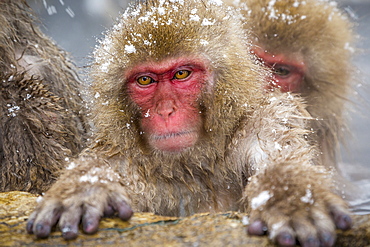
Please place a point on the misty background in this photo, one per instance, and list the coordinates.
(76, 25)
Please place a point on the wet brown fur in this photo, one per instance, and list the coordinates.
(164, 170)
(42, 113)
(250, 142)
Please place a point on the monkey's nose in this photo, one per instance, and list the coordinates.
(166, 108)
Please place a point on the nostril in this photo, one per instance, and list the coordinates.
(166, 108)
(166, 112)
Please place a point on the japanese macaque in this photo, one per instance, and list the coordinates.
(308, 46)
(183, 127)
(42, 114)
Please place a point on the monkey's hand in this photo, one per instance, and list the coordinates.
(295, 203)
(82, 194)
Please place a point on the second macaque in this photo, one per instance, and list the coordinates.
(183, 127)
(308, 46)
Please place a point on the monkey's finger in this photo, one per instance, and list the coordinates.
(109, 211)
(69, 222)
(45, 220)
(124, 210)
(257, 227)
(285, 239)
(282, 234)
(90, 219)
(342, 219)
(327, 239)
(339, 212)
(325, 227)
(30, 222)
(280, 230)
(277, 226)
(306, 232)
(119, 203)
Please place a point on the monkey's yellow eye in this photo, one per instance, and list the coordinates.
(144, 80)
(182, 74)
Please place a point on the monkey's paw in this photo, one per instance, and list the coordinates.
(296, 211)
(68, 206)
(312, 224)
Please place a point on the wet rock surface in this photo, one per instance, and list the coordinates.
(145, 229)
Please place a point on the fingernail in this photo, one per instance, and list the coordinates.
(285, 239)
(344, 222)
(90, 227)
(42, 231)
(29, 227)
(257, 228)
(311, 242)
(126, 213)
(68, 233)
(327, 239)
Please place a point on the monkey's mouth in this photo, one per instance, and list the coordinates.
(171, 135)
(174, 141)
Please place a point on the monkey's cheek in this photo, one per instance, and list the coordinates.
(291, 85)
(174, 143)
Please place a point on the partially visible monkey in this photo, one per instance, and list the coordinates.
(42, 121)
(182, 127)
(308, 46)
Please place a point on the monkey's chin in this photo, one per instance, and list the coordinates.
(174, 142)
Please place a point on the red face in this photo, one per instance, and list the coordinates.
(288, 73)
(167, 93)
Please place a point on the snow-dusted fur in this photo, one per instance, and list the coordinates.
(252, 142)
(321, 34)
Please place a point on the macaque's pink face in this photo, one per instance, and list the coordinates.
(167, 93)
(288, 73)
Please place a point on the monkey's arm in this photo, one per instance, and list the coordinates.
(87, 190)
(287, 194)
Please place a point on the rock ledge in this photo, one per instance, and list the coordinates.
(146, 229)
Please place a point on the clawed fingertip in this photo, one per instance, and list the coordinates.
(42, 231)
(285, 239)
(257, 228)
(327, 239)
(343, 221)
(90, 226)
(125, 213)
(311, 242)
(69, 233)
(29, 226)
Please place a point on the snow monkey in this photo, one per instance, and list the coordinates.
(183, 127)
(308, 46)
(42, 115)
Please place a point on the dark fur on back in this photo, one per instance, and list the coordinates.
(42, 119)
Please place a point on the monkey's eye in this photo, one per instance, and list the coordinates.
(182, 74)
(281, 71)
(144, 80)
